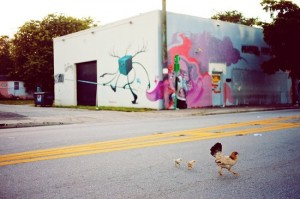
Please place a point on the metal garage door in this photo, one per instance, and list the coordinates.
(86, 83)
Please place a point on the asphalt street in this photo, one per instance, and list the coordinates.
(135, 158)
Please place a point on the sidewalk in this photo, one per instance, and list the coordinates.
(14, 116)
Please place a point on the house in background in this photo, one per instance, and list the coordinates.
(120, 64)
(10, 89)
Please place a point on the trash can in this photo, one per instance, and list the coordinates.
(43, 99)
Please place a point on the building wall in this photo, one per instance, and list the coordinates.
(212, 50)
(128, 58)
(219, 64)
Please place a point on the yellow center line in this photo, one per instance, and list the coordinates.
(147, 137)
(158, 139)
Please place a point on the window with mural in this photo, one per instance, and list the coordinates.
(3, 85)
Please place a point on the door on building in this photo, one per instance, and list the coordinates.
(218, 72)
(217, 89)
(86, 83)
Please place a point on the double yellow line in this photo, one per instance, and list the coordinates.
(242, 128)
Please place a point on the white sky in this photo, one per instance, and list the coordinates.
(14, 13)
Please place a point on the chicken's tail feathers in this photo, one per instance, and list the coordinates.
(215, 149)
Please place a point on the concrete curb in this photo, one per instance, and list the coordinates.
(55, 116)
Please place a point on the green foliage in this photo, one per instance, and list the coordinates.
(236, 17)
(16, 102)
(108, 108)
(278, 7)
(32, 48)
(283, 37)
(6, 63)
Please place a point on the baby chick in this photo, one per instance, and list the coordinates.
(177, 162)
(190, 164)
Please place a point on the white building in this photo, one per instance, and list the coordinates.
(121, 64)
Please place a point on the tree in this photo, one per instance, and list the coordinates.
(278, 7)
(32, 48)
(282, 35)
(236, 17)
(6, 63)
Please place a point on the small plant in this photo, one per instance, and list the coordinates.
(108, 108)
(94, 108)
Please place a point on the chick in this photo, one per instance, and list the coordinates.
(190, 164)
(177, 162)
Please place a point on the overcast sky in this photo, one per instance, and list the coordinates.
(14, 13)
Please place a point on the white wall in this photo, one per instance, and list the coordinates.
(105, 45)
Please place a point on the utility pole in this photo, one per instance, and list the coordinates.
(164, 32)
(164, 42)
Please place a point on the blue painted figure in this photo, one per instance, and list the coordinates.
(126, 65)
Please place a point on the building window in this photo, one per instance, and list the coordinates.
(3, 85)
(251, 50)
(16, 85)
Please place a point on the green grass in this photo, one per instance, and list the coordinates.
(95, 108)
(108, 108)
(16, 102)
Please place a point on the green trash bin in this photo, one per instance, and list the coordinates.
(43, 99)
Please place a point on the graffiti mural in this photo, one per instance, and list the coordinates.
(196, 51)
(126, 65)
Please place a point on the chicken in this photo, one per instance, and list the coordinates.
(223, 161)
(190, 164)
(177, 162)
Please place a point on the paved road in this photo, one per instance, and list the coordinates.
(269, 158)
